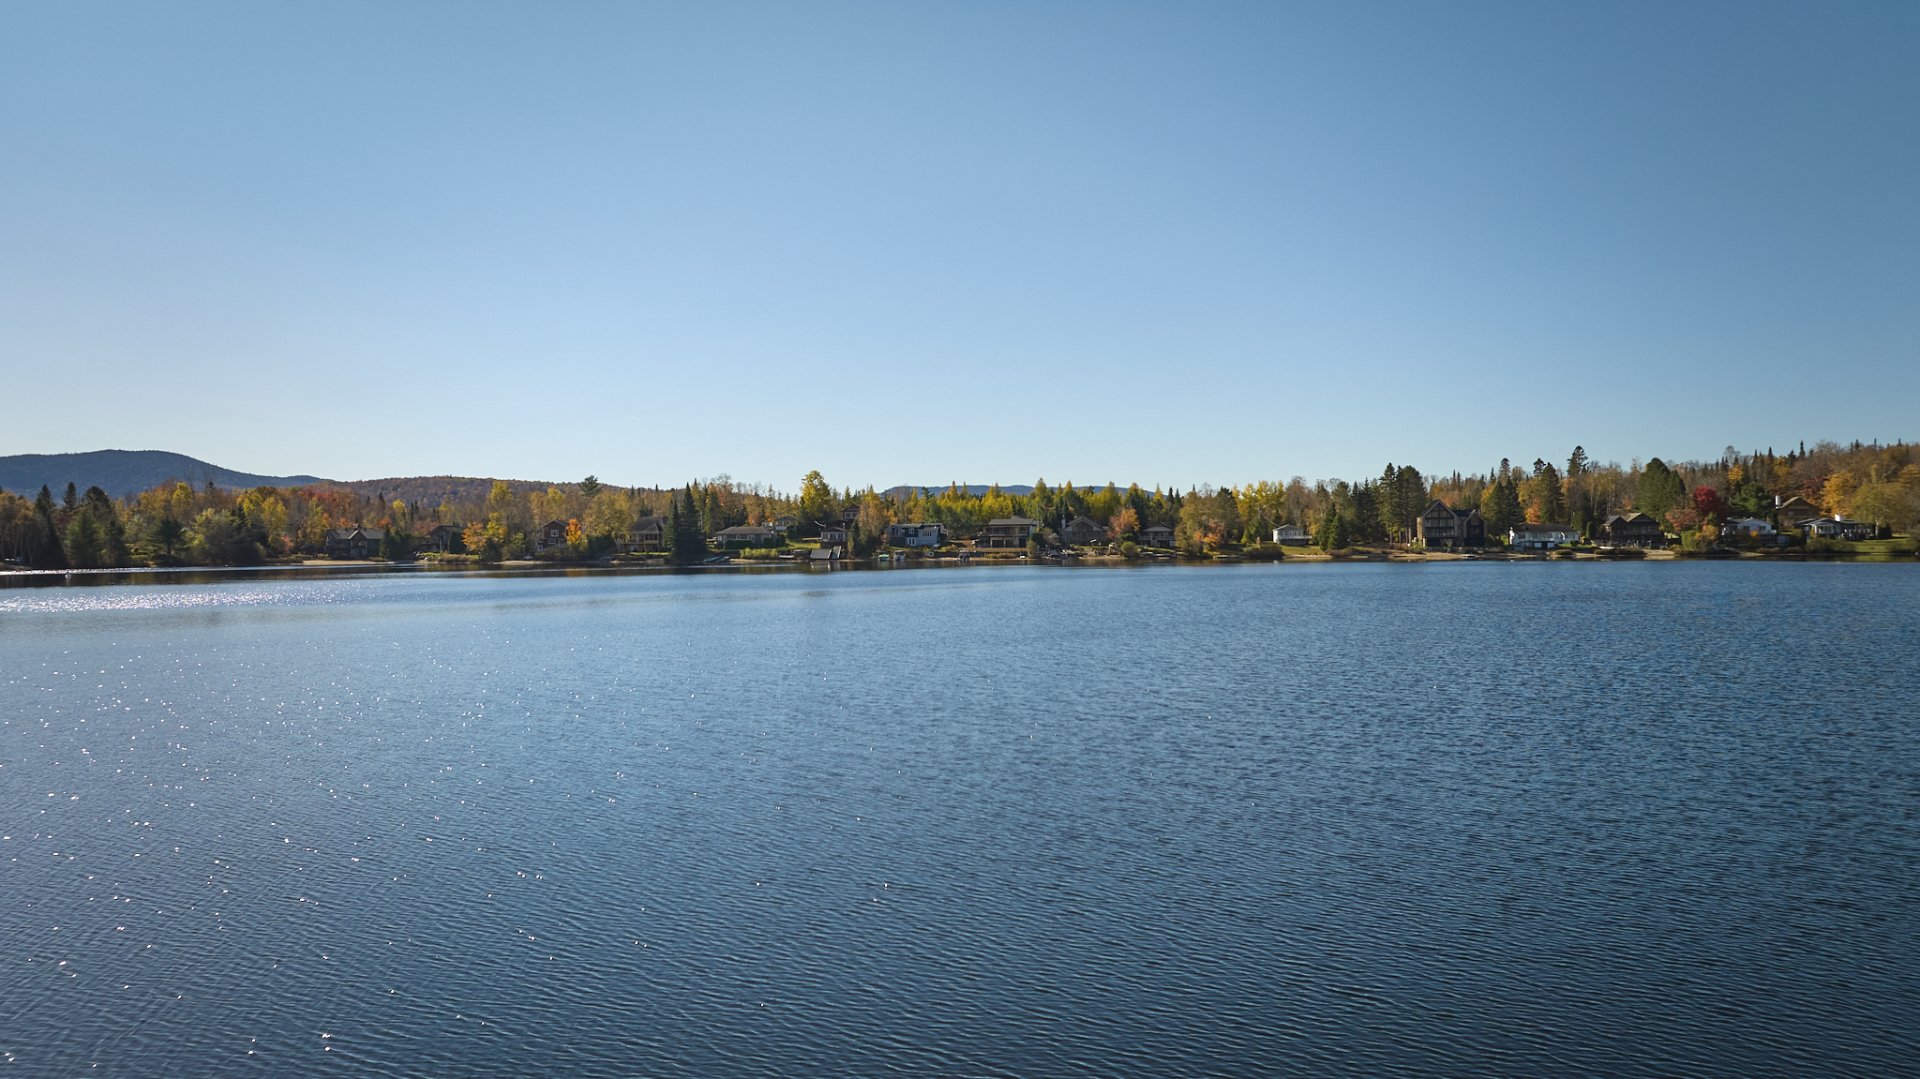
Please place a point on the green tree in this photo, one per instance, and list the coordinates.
(816, 503)
(48, 552)
(1500, 502)
(1333, 533)
(688, 544)
(1660, 490)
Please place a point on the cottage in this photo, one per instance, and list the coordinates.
(1751, 527)
(850, 513)
(1440, 525)
(831, 534)
(1291, 536)
(550, 535)
(443, 538)
(1836, 527)
(747, 536)
(1635, 529)
(1008, 533)
(916, 535)
(647, 534)
(1083, 531)
(784, 524)
(1790, 512)
(1156, 536)
(1542, 537)
(354, 542)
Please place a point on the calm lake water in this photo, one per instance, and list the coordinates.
(1517, 819)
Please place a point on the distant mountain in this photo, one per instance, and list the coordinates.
(976, 489)
(124, 472)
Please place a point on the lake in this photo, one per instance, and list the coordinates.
(1523, 819)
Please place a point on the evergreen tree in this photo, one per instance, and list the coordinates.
(689, 542)
(48, 553)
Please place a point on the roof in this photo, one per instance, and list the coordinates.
(646, 523)
(745, 530)
(349, 533)
(1012, 522)
(1542, 527)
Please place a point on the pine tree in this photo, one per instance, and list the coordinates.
(48, 553)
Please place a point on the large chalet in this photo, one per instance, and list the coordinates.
(1440, 525)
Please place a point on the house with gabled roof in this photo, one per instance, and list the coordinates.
(1083, 531)
(1440, 525)
(550, 535)
(916, 534)
(647, 534)
(1008, 533)
(1790, 512)
(354, 542)
(1156, 536)
(1634, 529)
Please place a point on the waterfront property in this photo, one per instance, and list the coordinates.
(647, 534)
(1440, 525)
(917, 534)
(1291, 535)
(1542, 537)
(1156, 536)
(1007, 533)
(1790, 512)
(1084, 531)
(1836, 527)
(1634, 529)
(354, 542)
(1750, 527)
(831, 534)
(747, 536)
(441, 538)
(550, 535)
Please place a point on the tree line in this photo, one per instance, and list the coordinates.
(178, 523)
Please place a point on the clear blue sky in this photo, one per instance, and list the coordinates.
(919, 242)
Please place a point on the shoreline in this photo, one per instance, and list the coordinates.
(20, 577)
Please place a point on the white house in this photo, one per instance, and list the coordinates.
(1542, 537)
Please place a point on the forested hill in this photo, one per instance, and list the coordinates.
(973, 489)
(125, 472)
(428, 492)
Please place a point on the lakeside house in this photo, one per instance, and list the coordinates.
(1542, 537)
(441, 538)
(747, 536)
(1794, 512)
(549, 535)
(1007, 533)
(1156, 536)
(784, 524)
(917, 534)
(1634, 529)
(831, 534)
(1836, 527)
(354, 542)
(1440, 525)
(1083, 532)
(647, 534)
(1291, 535)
